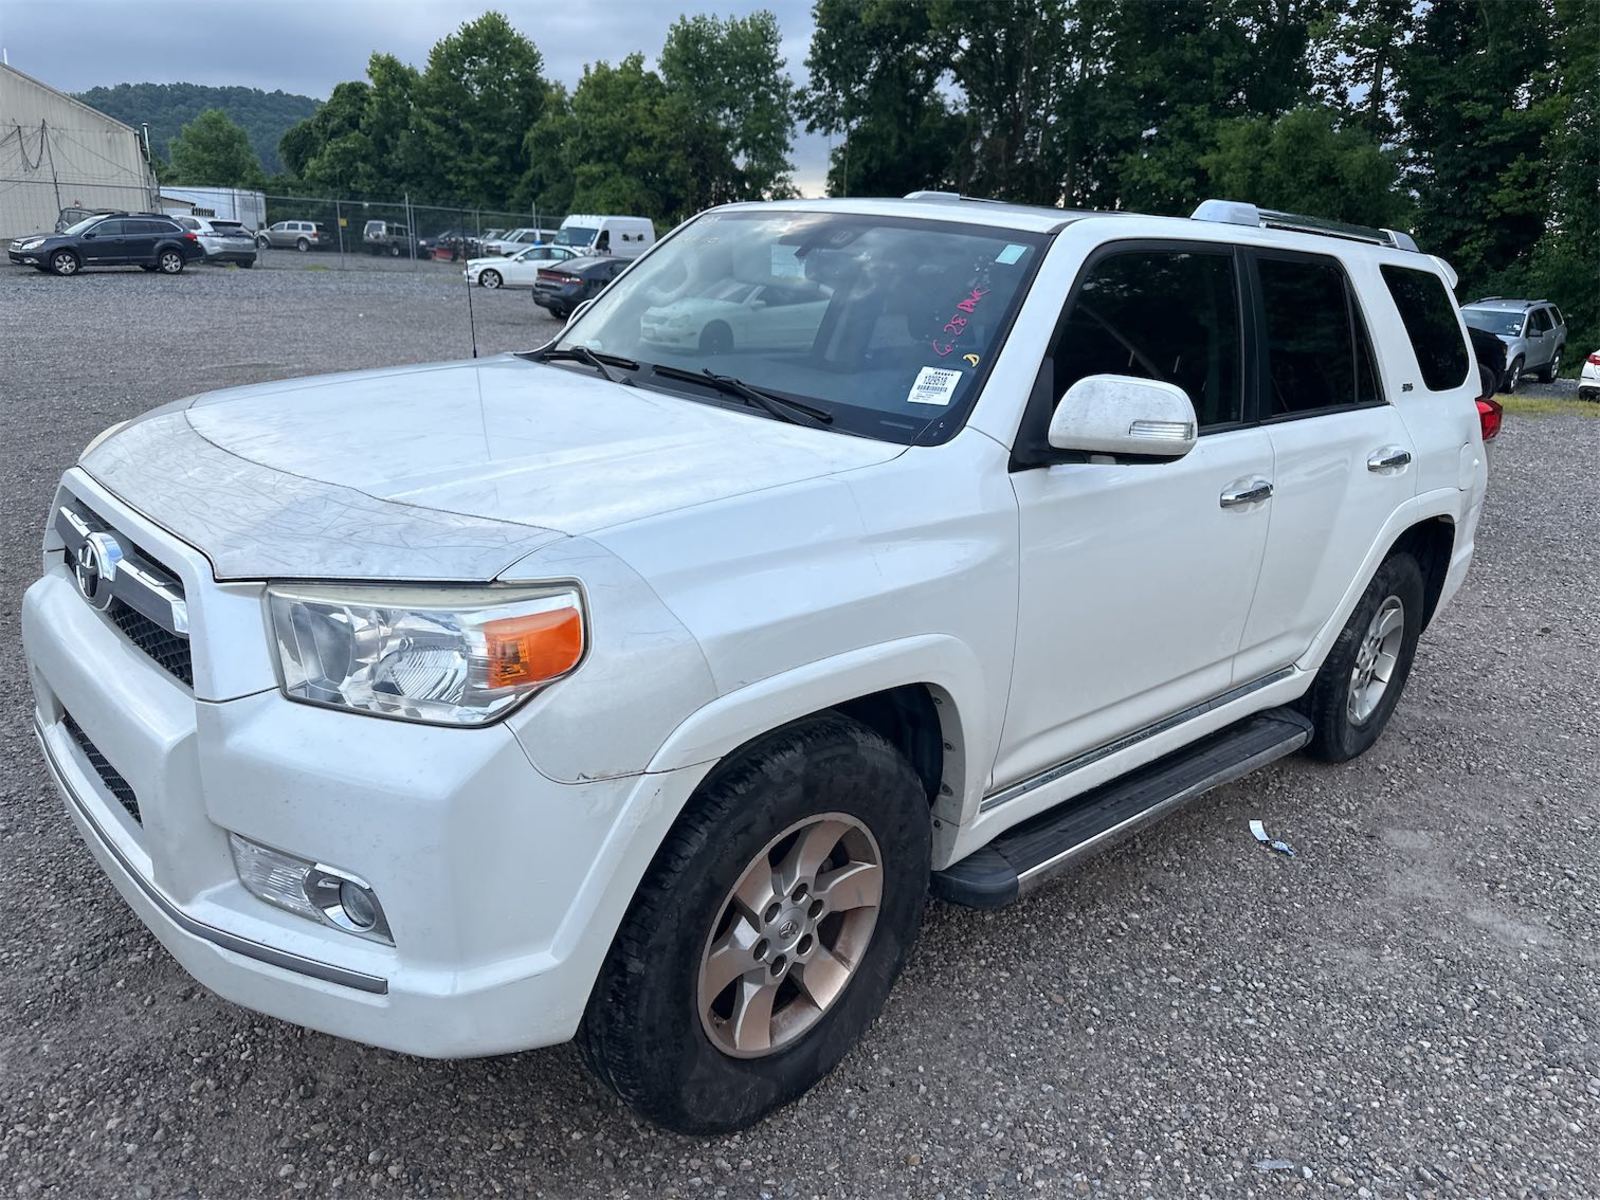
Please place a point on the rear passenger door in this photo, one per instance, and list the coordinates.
(1341, 451)
(139, 242)
(1541, 339)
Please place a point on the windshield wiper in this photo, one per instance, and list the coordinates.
(589, 358)
(781, 407)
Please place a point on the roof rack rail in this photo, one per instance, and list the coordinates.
(1238, 212)
(949, 196)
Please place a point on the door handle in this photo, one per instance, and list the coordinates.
(1250, 491)
(1390, 458)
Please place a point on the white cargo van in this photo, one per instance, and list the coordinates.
(624, 237)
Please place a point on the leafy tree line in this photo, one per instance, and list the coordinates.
(1474, 122)
(168, 107)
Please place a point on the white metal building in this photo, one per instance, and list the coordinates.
(56, 153)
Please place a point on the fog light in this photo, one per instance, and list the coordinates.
(310, 889)
(359, 904)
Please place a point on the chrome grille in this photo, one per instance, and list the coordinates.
(141, 597)
(109, 775)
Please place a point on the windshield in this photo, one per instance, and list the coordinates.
(1496, 321)
(888, 324)
(575, 235)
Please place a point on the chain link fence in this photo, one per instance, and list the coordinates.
(388, 234)
(392, 234)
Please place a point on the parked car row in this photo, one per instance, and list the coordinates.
(153, 241)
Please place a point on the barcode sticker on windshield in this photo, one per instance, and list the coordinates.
(933, 386)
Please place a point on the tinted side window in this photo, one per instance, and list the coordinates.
(1556, 314)
(1169, 315)
(1541, 320)
(108, 229)
(151, 227)
(1318, 355)
(1429, 316)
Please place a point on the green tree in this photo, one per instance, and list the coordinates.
(726, 84)
(1479, 102)
(875, 67)
(1305, 162)
(481, 92)
(1356, 49)
(168, 107)
(213, 151)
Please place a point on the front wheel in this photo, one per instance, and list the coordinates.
(394, 251)
(1513, 376)
(1360, 682)
(768, 931)
(490, 279)
(302, 245)
(64, 262)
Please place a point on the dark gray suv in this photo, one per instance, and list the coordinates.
(1534, 333)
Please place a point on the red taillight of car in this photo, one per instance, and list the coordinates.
(1594, 360)
(1490, 416)
(191, 236)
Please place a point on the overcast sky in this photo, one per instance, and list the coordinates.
(307, 46)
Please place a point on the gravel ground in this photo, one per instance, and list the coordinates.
(1407, 1008)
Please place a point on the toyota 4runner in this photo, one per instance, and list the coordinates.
(639, 692)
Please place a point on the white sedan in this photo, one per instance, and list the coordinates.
(736, 314)
(520, 270)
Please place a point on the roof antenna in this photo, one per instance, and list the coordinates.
(472, 324)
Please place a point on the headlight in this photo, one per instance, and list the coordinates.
(449, 656)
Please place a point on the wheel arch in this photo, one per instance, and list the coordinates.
(1425, 527)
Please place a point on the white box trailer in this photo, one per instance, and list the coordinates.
(227, 204)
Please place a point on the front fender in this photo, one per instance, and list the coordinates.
(945, 663)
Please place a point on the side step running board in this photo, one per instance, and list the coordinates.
(1058, 839)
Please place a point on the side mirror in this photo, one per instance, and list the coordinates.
(1118, 414)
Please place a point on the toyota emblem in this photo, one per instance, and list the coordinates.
(94, 566)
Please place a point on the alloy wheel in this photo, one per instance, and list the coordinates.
(1376, 659)
(790, 935)
(64, 264)
(172, 262)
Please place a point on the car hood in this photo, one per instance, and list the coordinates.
(447, 471)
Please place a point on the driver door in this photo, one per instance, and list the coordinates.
(105, 247)
(1136, 579)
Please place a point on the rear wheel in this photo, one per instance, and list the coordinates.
(302, 245)
(490, 279)
(64, 262)
(1360, 682)
(169, 262)
(768, 931)
(394, 251)
(1551, 370)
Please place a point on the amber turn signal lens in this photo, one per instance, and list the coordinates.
(533, 648)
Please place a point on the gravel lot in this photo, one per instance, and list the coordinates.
(1409, 1007)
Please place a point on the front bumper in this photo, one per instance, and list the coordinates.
(28, 258)
(501, 887)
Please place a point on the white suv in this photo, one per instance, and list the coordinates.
(636, 693)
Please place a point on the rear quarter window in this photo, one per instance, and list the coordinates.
(1429, 315)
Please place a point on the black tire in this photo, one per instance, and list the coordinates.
(643, 1034)
(716, 338)
(263, 243)
(302, 245)
(170, 261)
(1513, 377)
(1551, 370)
(65, 262)
(1336, 736)
(490, 279)
(394, 251)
